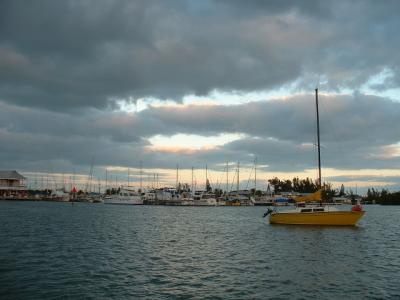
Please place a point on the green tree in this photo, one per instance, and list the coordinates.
(341, 192)
(218, 192)
(208, 186)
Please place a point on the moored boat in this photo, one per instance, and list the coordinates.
(311, 209)
(204, 198)
(124, 196)
(317, 215)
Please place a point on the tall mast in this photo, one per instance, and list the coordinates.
(141, 180)
(318, 140)
(88, 186)
(192, 180)
(177, 175)
(106, 180)
(157, 181)
(128, 176)
(206, 176)
(255, 175)
(227, 178)
(237, 179)
(73, 177)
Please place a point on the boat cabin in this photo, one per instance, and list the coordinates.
(312, 209)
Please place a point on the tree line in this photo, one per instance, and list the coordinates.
(383, 197)
(306, 185)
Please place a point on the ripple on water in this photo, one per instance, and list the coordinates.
(55, 250)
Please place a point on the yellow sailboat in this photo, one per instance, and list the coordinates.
(310, 209)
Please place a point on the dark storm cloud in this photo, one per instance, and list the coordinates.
(74, 54)
(118, 127)
(64, 67)
(50, 153)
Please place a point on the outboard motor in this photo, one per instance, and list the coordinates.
(267, 212)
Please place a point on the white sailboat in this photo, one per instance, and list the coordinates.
(124, 196)
(204, 198)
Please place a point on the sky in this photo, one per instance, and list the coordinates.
(127, 85)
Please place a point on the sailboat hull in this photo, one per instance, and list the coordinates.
(337, 218)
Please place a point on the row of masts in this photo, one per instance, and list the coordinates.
(227, 176)
(49, 181)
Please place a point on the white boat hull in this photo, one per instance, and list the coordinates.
(126, 201)
(205, 202)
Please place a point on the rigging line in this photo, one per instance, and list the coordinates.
(194, 180)
(329, 123)
(315, 135)
(220, 181)
(248, 180)
(217, 184)
(233, 181)
(315, 144)
(334, 130)
(52, 176)
(222, 177)
(209, 177)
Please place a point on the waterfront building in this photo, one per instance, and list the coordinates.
(12, 185)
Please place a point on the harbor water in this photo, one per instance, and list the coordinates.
(94, 251)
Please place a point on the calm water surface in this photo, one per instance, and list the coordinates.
(87, 251)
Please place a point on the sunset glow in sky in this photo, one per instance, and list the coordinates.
(189, 83)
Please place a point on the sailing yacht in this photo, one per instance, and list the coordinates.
(310, 210)
(124, 196)
(204, 198)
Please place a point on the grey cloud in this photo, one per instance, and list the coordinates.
(34, 152)
(74, 54)
(351, 119)
(259, 7)
(357, 132)
(345, 120)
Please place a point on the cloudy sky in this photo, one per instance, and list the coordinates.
(161, 83)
